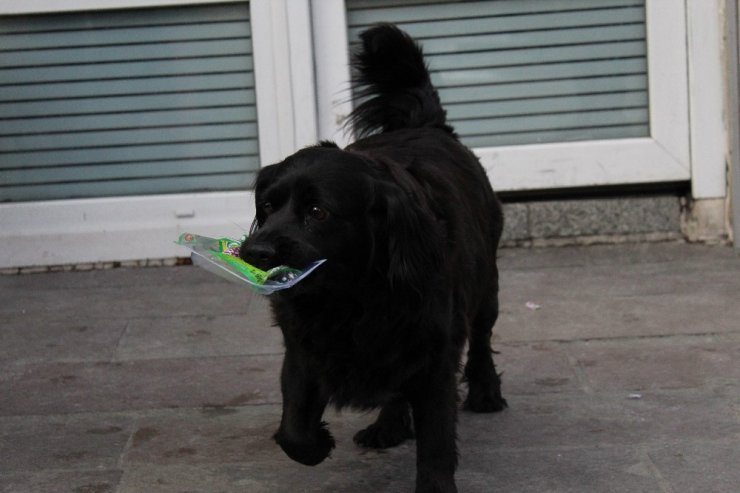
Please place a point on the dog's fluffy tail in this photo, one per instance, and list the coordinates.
(392, 81)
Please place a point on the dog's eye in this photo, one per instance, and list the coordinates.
(267, 208)
(318, 213)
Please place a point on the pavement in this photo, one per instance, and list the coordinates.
(621, 367)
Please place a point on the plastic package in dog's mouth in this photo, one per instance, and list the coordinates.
(220, 256)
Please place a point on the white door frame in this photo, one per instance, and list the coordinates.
(707, 96)
(665, 156)
(733, 114)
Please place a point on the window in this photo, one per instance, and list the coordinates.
(127, 102)
(529, 72)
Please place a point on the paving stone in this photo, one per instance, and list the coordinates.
(212, 335)
(582, 317)
(147, 384)
(535, 368)
(560, 470)
(212, 435)
(69, 340)
(134, 301)
(179, 478)
(61, 482)
(699, 466)
(121, 277)
(226, 435)
(233, 450)
(38, 443)
(654, 364)
(612, 294)
(333, 475)
(582, 420)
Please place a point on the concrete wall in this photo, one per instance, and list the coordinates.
(588, 221)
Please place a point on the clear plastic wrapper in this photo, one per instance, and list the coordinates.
(220, 256)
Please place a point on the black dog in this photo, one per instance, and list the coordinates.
(409, 226)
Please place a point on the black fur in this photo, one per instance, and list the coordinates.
(410, 225)
(390, 60)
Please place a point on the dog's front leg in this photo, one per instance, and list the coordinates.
(302, 435)
(434, 405)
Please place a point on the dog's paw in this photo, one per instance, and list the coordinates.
(307, 450)
(380, 436)
(484, 400)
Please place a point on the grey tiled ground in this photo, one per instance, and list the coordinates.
(164, 380)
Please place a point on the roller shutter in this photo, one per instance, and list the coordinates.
(126, 102)
(529, 71)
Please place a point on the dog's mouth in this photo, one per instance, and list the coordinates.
(286, 278)
(277, 274)
(267, 255)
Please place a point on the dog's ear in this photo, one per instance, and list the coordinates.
(265, 178)
(412, 239)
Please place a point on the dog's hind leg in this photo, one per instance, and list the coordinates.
(392, 427)
(484, 384)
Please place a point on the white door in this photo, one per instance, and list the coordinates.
(549, 93)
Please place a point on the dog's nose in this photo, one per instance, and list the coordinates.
(258, 254)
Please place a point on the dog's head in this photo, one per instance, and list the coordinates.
(323, 202)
